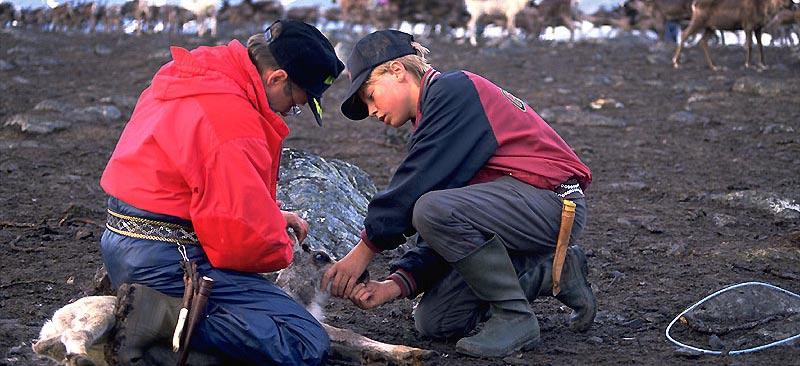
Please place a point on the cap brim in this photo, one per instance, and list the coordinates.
(316, 108)
(353, 107)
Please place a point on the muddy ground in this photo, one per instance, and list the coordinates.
(664, 154)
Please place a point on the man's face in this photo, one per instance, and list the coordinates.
(283, 95)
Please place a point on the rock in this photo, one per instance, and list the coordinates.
(515, 360)
(716, 343)
(595, 340)
(510, 43)
(573, 115)
(121, 101)
(603, 80)
(548, 79)
(54, 105)
(777, 128)
(20, 50)
(627, 186)
(16, 350)
(654, 83)
(658, 59)
(37, 124)
(605, 103)
(677, 249)
(690, 87)
(688, 118)
(82, 234)
(6, 66)
(687, 352)
(783, 208)
(30, 60)
(160, 55)
(647, 222)
(102, 50)
(722, 220)
(331, 195)
(715, 97)
(20, 80)
(652, 317)
(105, 112)
(761, 86)
(8, 167)
(710, 102)
(624, 222)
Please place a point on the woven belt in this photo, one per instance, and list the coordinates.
(137, 227)
(569, 189)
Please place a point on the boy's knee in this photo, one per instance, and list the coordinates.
(433, 325)
(427, 324)
(430, 212)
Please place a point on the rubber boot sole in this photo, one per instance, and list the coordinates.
(528, 345)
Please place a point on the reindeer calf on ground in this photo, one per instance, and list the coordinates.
(77, 332)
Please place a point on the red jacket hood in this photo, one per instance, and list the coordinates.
(214, 70)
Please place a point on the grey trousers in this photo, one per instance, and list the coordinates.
(457, 222)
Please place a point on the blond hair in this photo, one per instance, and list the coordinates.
(415, 63)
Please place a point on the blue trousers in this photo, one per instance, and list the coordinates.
(248, 318)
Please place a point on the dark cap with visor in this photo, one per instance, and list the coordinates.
(371, 51)
(307, 57)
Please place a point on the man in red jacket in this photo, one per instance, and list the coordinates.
(193, 178)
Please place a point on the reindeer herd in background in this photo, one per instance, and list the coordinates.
(526, 18)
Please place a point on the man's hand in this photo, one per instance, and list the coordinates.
(343, 275)
(374, 293)
(297, 224)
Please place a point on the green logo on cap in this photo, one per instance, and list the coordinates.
(329, 80)
(317, 106)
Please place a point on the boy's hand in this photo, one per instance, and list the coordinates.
(343, 275)
(297, 224)
(373, 294)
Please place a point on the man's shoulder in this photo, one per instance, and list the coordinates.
(228, 117)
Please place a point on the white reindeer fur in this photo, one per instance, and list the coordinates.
(76, 328)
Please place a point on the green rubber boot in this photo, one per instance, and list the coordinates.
(512, 325)
(576, 292)
(146, 318)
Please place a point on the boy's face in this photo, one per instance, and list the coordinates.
(391, 97)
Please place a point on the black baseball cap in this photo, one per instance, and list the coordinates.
(307, 57)
(371, 51)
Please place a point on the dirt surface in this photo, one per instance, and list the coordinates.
(661, 232)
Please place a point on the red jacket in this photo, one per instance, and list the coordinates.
(203, 145)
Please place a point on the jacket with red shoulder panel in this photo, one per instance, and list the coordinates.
(467, 131)
(203, 145)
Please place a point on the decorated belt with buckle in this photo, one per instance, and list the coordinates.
(569, 189)
(141, 228)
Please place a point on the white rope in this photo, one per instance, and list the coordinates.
(734, 352)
